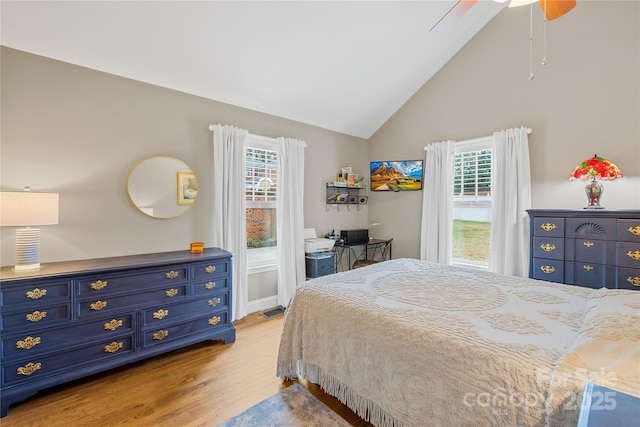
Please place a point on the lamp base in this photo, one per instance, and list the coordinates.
(27, 249)
(594, 190)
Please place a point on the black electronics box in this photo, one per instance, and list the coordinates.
(350, 237)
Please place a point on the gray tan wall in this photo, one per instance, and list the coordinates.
(78, 132)
(585, 101)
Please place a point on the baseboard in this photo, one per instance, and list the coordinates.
(262, 304)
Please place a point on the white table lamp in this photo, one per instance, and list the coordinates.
(27, 209)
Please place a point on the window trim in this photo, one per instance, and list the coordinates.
(459, 147)
(271, 144)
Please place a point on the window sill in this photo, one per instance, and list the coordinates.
(484, 266)
(262, 267)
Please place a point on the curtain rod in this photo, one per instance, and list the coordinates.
(267, 138)
(472, 140)
(262, 137)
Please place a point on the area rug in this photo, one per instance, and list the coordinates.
(294, 406)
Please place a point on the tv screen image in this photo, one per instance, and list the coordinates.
(402, 175)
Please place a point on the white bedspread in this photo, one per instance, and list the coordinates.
(411, 343)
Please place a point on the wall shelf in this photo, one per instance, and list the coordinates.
(338, 195)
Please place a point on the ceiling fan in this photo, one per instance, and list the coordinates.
(552, 9)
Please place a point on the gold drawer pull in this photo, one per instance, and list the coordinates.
(548, 227)
(171, 275)
(112, 325)
(214, 320)
(98, 284)
(548, 247)
(113, 347)
(171, 292)
(29, 368)
(588, 244)
(213, 302)
(547, 269)
(36, 293)
(635, 255)
(160, 314)
(98, 305)
(36, 316)
(635, 281)
(635, 230)
(587, 267)
(210, 269)
(28, 343)
(210, 285)
(160, 335)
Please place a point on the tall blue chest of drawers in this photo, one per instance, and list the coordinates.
(591, 248)
(73, 319)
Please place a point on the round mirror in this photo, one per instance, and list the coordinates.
(162, 187)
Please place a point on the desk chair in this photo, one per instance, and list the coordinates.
(379, 252)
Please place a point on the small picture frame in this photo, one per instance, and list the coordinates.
(187, 188)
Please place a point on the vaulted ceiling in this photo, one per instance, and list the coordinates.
(346, 66)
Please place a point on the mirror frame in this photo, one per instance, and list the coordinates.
(180, 175)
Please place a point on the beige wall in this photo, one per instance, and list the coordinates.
(585, 101)
(78, 132)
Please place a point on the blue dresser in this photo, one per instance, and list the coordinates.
(73, 319)
(591, 248)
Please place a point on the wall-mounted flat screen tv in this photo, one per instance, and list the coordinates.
(403, 175)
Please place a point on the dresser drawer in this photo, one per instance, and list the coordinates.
(105, 284)
(110, 303)
(35, 317)
(629, 230)
(39, 293)
(165, 334)
(591, 228)
(590, 275)
(210, 269)
(628, 278)
(548, 269)
(209, 287)
(591, 250)
(548, 247)
(34, 342)
(548, 226)
(172, 312)
(36, 368)
(628, 255)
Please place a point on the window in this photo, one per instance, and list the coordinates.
(261, 181)
(472, 202)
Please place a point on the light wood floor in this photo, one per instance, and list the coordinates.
(201, 385)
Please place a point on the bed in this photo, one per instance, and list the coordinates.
(411, 343)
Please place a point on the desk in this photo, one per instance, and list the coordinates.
(358, 250)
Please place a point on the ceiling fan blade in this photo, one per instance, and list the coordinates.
(556, 8)
(453, 15)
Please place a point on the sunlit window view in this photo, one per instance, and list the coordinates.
(261, 181)
(472, 207)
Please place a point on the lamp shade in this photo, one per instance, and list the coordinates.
(26, 209)
(596, 168)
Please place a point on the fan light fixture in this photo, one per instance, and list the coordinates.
(594, 170)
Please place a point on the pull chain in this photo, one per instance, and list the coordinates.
(544, 53)
(531, 76)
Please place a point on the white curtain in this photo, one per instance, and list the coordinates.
(511, 196)
(290, 222)
(437, 203)
(228, 199)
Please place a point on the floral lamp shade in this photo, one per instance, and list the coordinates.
(594, 170)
